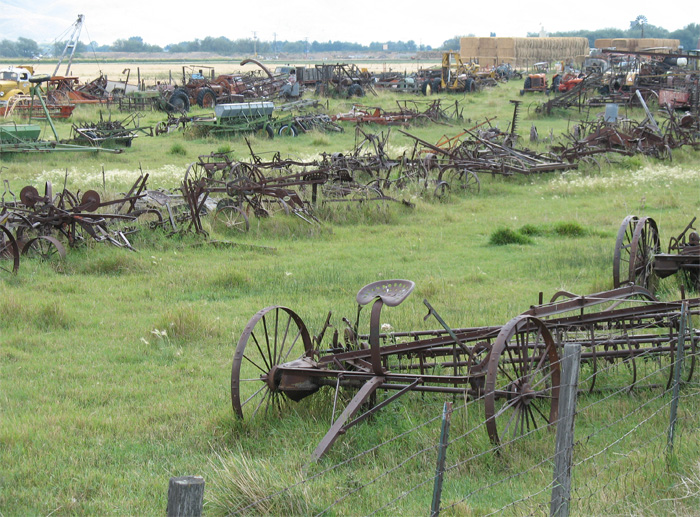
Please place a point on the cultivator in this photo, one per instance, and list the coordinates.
(42, 225)
(513, 368)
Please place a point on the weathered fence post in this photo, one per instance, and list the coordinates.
(442, 453)
(678, 367)
(561, 491)
(185, 496)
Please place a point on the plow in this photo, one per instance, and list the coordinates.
(512, 368)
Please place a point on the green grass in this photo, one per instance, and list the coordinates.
(115, 366)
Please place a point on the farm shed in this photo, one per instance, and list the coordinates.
(521, 52)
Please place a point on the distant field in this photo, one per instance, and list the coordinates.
(152, 70)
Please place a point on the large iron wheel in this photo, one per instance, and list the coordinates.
(522, 381)
(644, 247)
(621, 260)
(9, 251)
(274, 336)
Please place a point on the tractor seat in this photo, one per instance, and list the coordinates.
(392, 292)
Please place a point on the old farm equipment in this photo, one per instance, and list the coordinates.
(24, 138)
(44, 224)
(513, 368)
(638, 258)
(241, 117)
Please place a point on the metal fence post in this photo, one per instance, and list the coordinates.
(442, 452)
(678, 367)
(561, 491)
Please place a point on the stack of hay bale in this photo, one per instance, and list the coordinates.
(637, 44)
(521, 52)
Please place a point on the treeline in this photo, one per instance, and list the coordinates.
(28, 48)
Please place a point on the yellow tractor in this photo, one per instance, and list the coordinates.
(14, 81)
(456, 75)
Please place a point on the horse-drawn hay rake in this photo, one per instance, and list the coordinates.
(513, 368)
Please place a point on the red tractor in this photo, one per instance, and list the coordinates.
(566, 82)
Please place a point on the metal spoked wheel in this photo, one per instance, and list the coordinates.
(274, 336)
(45, 248)
(643, 248)
(621, 259)
(522, 381)
(9, 252)
(228, 217)
(464, 180)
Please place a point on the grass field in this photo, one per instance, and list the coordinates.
(115, 366)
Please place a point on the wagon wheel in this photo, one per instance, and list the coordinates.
(45, 248)
(522, 381)
(464, 180)
(442, 191)
(9, 251)
(274, 336)
(229, 217)
(621, 259)
(643, 248)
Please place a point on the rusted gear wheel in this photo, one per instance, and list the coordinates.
(9, 251)
(522, 380)
(274, 336)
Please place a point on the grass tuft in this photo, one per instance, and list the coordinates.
(503, 236)
(239, 481)
(113, 264)
(188, 324)
(569, 229)
(53, 317)
(177, 149)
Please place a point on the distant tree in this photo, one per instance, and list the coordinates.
(689, 36)
(134, 44)
(638, 23)
(451, 44)
(8, 48)
(27, 48)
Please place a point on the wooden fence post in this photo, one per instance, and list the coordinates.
(442, 453)
(561, 491)
(680, 346)
(185, 496)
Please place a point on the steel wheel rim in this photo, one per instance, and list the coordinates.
(273, 336)
(531, 380)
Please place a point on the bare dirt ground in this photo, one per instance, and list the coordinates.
(164, 67)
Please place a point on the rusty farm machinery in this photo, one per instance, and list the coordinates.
(513, 368)
(42, 226)
(638, 258)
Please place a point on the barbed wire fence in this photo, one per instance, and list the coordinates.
(621, 454)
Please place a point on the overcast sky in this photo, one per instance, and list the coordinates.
(362, 21)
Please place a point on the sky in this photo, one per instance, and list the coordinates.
(361, 21)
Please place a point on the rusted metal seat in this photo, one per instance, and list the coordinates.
(391, 292)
